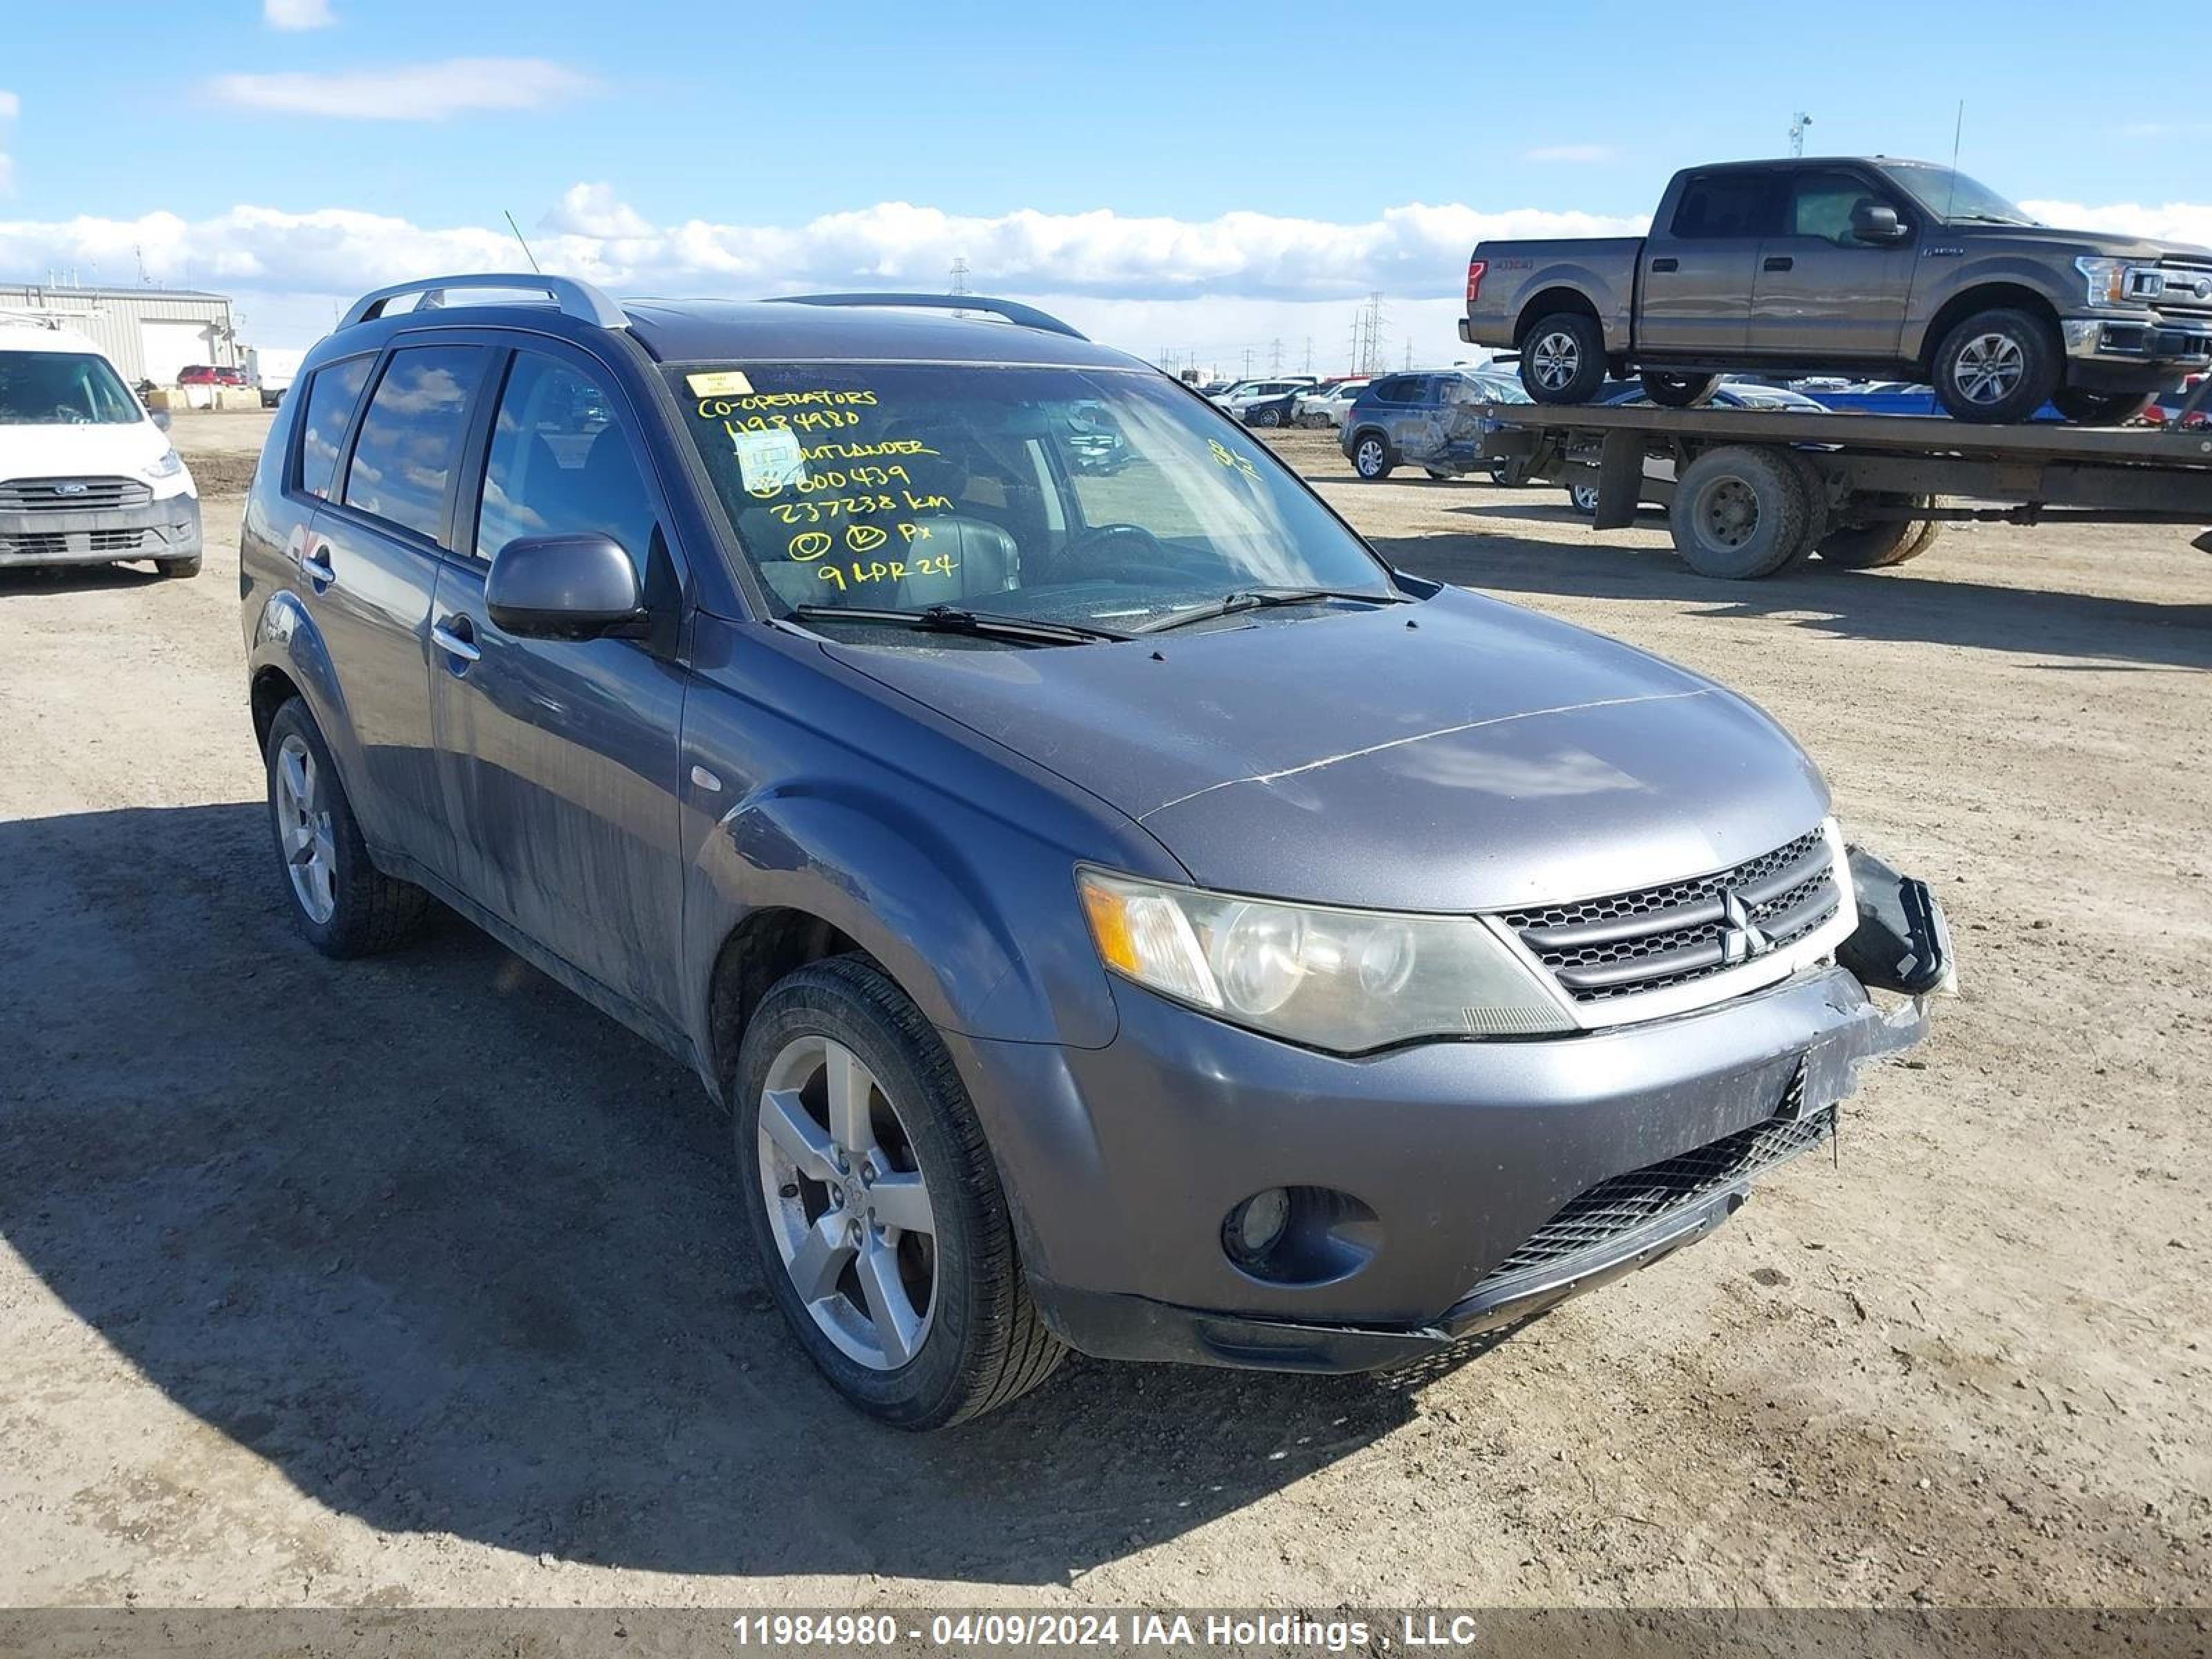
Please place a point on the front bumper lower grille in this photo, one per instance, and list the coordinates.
(1616, 1207)
(1655, 936)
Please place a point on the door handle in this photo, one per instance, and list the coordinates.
(457, 637)
(1665, 264)
(315, 565)
(1780, 261)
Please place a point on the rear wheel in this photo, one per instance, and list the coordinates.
(1563, 358)
(1741, 513)
(1371, 458)
(875, 1205)
(345, 906)
(1267, 417)
(2087, 408)
(1876, 544)
(1997, 368)
(1440, 476)
(1678, 391)
(1582, 497)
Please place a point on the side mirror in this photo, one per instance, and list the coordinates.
(1872, 222)
(564, 587)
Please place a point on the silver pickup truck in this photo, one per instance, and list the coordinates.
(1869, 266)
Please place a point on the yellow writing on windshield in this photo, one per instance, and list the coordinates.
(715, 409)
(1228, 458)
(863, 571)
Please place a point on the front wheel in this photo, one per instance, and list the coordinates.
(2087, 408)
(1678, 391)
(875, 1205)
(179, 567)
(1371, 458)
(1997, 368)
(1267, 417)
(1563, 358)
(1582, 497)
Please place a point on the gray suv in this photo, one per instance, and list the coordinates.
(1115, 909)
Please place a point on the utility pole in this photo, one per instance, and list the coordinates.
(959, 276)
(1309, 354)
(1248, 362)
(1798, 123)
(1275, 356)
(1409, 354)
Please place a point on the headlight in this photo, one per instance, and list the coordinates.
(2119, 283)
(167, 466)
(1348, 980)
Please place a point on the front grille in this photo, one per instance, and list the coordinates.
(72, 494)
(1618, 1206)
(35, 547)
(2182, 275)
(1655, 936)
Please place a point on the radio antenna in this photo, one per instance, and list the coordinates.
(526, 253)
(1958, 131)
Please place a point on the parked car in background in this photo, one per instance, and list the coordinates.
(271, 370)
(1270, 411)
(1327, 404)
(1242, 395)
(210, 375)
(1430, 419)
(87, 475)
(1853, 265)
(1306, 991)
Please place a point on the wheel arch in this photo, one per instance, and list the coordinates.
(1557, 297)
(1989, 294)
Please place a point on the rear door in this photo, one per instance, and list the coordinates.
(1694, 292)
(369, 565)
(1823, 296)
(559, 756)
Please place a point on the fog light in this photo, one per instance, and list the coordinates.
(1255, 1226)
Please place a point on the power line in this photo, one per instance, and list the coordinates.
(959, 276)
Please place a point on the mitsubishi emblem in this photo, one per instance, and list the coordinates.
(1742, 938)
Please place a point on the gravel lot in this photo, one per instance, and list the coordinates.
(417, 1282)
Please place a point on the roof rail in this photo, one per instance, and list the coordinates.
(1012, 310)
(578, 300)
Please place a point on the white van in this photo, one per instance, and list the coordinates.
(86, 476)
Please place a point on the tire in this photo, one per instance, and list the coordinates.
(1563, 358)
(1997, 368)
(1882, 543)
(1510, 473)
(1678, 391)
(2087, 408)
(1266, 417)
(178, 569)
(1741, 513)
(342, 904)
(1441, 478)
(978, 1343)
(1582, 497)
(1819, 516)
(1371, 458)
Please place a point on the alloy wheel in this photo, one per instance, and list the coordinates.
(847, 1203)
(303, 822)
(1557, 357)
(1368, 458)
(1989, 367)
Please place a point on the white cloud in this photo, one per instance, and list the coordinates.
(405, 91)
(2175, 222)
(594, 210)
(1569, 153)
(1215, 288)
(297, 13)
(10, 105)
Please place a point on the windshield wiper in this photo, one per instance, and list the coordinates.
(1261, 599)
(956, 619)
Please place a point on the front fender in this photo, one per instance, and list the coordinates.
(1941, 280)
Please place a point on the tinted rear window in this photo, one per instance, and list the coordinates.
(1728, 204)
(331, 395)
(410, 438)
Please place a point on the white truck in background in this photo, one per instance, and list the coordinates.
(273, 368)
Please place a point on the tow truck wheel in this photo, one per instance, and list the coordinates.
(1880, 545)
(2087, 408)
(1678, 391)
(1563, 358)
(1997, 368)
(1741, 513)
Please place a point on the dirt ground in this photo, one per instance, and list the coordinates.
(417, 1282)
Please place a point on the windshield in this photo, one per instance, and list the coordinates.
(62, 388)
(1952, 197)
(1101, 496)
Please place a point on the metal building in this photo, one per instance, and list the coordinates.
(149, 333)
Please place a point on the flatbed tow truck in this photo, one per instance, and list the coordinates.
(1751, 492)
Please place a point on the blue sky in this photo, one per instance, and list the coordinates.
(753, 118)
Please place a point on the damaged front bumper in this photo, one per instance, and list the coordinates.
(1552, 1167)
(166, 529)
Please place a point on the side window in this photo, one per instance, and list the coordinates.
(331, 395)
(559, 465)
(1392, 391)
(1821, 205)
(1726, 205)
(410, 438)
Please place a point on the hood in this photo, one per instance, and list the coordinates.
(1484, 758)
(2106, 243)
(50, 451)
